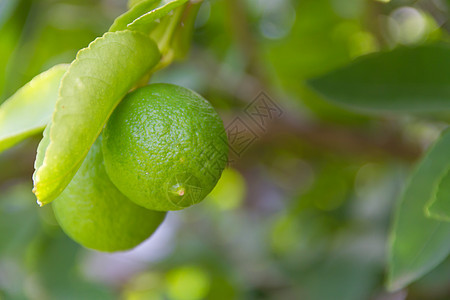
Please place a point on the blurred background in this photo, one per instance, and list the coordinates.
(304, 209)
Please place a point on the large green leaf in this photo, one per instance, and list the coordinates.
(30, 108)
(403, 80)
(94, 84)
(439, 205)
(419, 243)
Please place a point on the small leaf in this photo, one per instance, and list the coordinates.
(417, 243)
(144, 15)
(30, 109)
(94, 84)
(147, 22)
(403, 80)
(136, 10)
(439, 206)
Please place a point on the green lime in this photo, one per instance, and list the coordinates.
(93, 212)
(165, 147)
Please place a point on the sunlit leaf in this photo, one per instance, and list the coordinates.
(42, 147)
(148, 21)
(439, 205)
(94, 84)
(419, 243)
(30, 108)
(137, 9)
(144, 15)
(403, 80)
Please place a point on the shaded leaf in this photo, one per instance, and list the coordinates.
(339, 272)
(94, 84)
(403, 80)
(19, 222)
(30, 109)
(132, 3)
(6, 9)
(418, 243)
(439, 205)
(183, 35)
(56, 259)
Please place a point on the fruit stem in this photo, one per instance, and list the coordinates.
(165, 37)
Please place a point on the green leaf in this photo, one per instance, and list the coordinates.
(148, 21)
(144, 15)
(132, 3)
(418, 243)
(93, 86)
(136, 10)
(403, 80)
(439, 206)
(42, 148)
(30, 109)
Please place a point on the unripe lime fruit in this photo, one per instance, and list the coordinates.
(165, 147)
(93, 212)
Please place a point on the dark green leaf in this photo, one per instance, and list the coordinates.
(418, 243)
(403, 80)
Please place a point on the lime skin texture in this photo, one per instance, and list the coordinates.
(94, 213)
(165, 147)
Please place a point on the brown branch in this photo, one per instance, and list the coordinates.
(347, 142)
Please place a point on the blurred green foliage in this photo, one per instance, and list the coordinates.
(303, 213)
